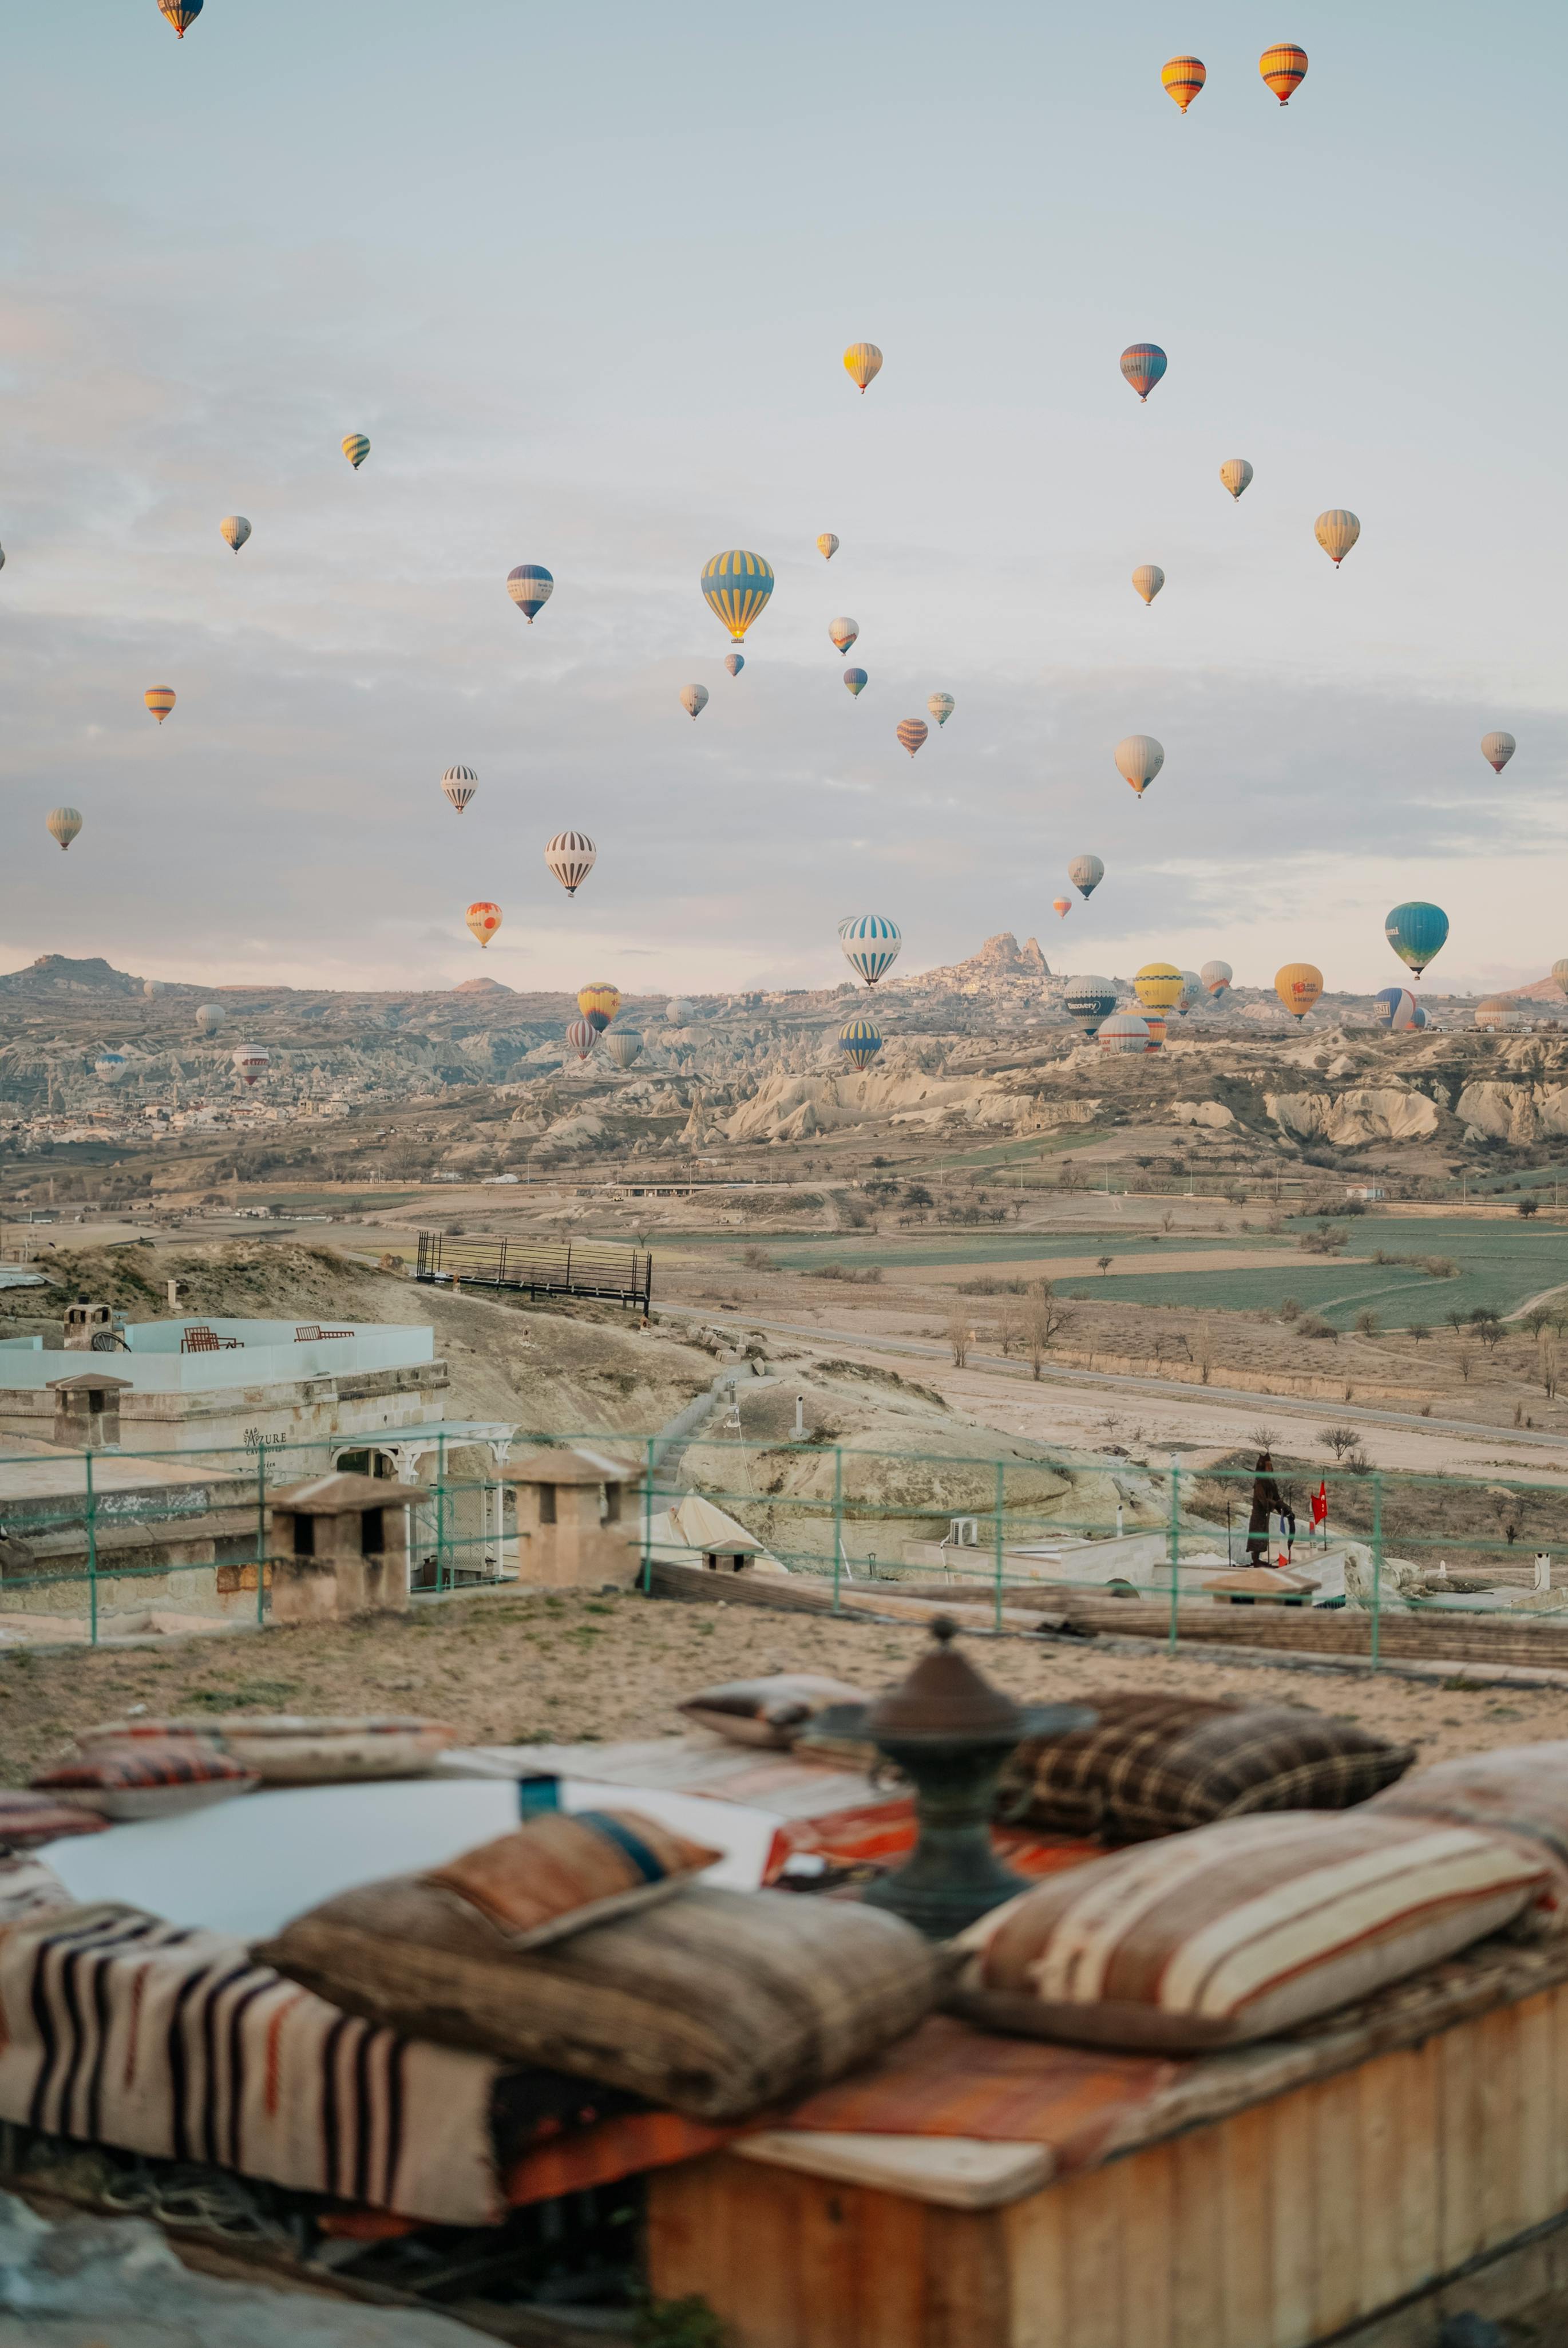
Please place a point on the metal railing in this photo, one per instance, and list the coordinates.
(622, 1275)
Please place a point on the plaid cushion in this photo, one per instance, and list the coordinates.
(26, 1820)
(145, 1780)
(1520, 1791)
(717, 2004)
(1153, 1764)
(560, 1874)
(1239, 1931)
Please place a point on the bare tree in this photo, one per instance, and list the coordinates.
(1264, 1438)
(958, 1335)
(1546, 1345)
(1205, 1351)
(1464, 1357)
(1337, 1439)
(1043, 1317)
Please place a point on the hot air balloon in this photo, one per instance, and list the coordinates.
(1155, 1024)
(941, 706)
(1497, 749)
(1182, 79)
(159, 699)
(735, 662)
(1123, 1032)
(571, 857)
(1298, 986)
(459, 783)
(1216, 977)
(530, 587)
(1158, 986)
(1284, 69)
(1089, 1000)
(210, 1017)
(1139, 758)
(1416, 931)
(582, 1036)
(181, 13)
(693, 700)
(871, 944)
(827, 546)
(912, 732)
(1337, 532)
(483, 919)
(735, 587)
(864, 361)
(109, 1068)
(249, 1062)
(1394, 1008)
(356, 448)
(1496, 1012)
(152, 988)
(234, 529)
(1236, 473)
(598, 1004)
(862, 1040)
(1143, 364)
(679, 1012)
(1191, 992)
(843, 633)
(1560, 972)
(1086, 873)
(624, 1047)
(855, 679)
(63, 824)
(1061, 907)
(1147, 581)
(1418, 1015)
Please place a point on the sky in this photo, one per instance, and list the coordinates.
(584, 276)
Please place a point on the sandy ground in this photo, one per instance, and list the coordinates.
(518, 1669)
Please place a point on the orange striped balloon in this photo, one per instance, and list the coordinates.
(1062, 906)
(159, 699)
(1182, 79)
(483, 919)
(912, 732)
(1284, 69)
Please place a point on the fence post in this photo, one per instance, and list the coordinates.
(1173, 1544)
(837, 1519)
(261, 1534)
(996, 1542)
(92, 1549)
(648, 1522)
(440, 1512)
(1376, 1561)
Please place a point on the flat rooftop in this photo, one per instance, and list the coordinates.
(196, 1354)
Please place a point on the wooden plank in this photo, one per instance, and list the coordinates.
(890, 2241)
(1094, 2255)
(968, 2290)
(1538, 2112)
(1246, 2226)
(1560, 2097)
(1419, 2238)
(1197, 2274)
(1337, 2196)
(1293, 2217)
(1382, 2159)
(831, 2274)
(959, 2172)
(1034, 2233)
(1459, 2134)
(1497, 2047)
(1148, 2191)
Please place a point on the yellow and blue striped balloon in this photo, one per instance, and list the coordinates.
(356, 448)
(862, 1040)
(735, 587)
(871, 944)
(181, 13)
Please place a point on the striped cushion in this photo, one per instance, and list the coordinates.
(559, 1873)
(147, 1780)
(1520, 1791)
(771, 1711)
(27, 1820)
(717, 2004)
(1152, 1764)
(1239, 1931)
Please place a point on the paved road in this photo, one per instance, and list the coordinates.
(1168, 1389)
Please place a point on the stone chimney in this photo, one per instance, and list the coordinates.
(571, 1534)
(86, 1410)
(339, 1547)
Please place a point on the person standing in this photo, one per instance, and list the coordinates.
(1265, 1503)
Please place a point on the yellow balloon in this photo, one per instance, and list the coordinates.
(1298, 986)
(1158, 986)
(864, 361)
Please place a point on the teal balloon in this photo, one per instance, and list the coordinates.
(1417, 932)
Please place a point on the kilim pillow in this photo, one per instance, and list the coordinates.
(718, 2003)
(1520, 1791)
(28, 1820)
(1152, 1764)
(286, 1749)
(1239, 1931)
(562, 1872)
(770, 1711)
(147, 1780)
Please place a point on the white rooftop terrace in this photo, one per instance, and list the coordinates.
(247, 1353)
